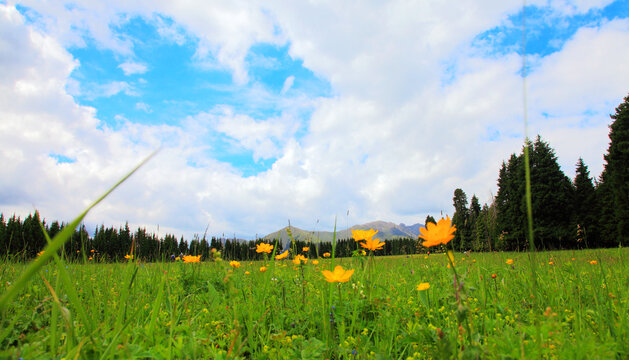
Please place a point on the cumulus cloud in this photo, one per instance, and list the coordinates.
(393, 143)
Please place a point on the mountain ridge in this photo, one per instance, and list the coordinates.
(386, 230)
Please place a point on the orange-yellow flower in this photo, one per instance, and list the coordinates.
(338, 275)
(423, 286)
(298, 259)
(128, 257)
(264, 247)
(306, 249)
(436, 234)
(509, 261)
(92, 250)
(234, 264)
(593, 262)
(315, 262)
(372, 245)
(191, 259)
(282, 255)
(247, 273)
(90, 258)
(263, 269)
(326, 254)
(39, 253)
(359, 235)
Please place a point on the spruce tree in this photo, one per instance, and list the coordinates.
(551, 192)
(617, 171)
(606, 216)
(510, 206)
(4, 244)
(585, 208)
(473, 214)
(459, 219)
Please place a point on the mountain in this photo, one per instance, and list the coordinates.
(386, 230)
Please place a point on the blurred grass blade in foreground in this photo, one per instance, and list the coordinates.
(57, 243)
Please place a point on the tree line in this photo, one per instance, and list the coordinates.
(24, 239)
(567, 213)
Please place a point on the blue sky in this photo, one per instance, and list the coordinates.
(267, 111)
(163, 83)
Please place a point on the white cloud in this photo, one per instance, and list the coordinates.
(143, 107)
(393, 143)
(288, 83)
(132, 68)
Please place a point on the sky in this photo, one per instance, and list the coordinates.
(267, 112)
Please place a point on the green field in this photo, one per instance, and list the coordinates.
(575, 307)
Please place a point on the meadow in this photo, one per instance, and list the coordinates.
(554, 305)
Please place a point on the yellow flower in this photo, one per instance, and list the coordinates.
(359, 235)
(363, 253)
(593, 262)
(315, 262)
(372, 245)
(440, 233)
(326, 254)
(177, 258)
(234, 264)
(247, 273)
(306, 249)
(509, 261)
(299, 258)
(128, 257)
(191, 259)
(282, 255)
(263, 269)
(423, 286)
(264, 247)
(338, 275)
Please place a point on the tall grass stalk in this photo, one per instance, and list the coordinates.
(57, 242)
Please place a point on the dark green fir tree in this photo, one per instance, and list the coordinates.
(614, 188)
(585, 208)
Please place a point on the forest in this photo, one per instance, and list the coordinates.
(582, 212)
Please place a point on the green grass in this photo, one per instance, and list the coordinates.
(206, 310)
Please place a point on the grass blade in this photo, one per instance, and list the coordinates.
(58, 241)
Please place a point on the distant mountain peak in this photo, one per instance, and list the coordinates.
(386, 230)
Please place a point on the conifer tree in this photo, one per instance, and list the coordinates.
(510, 206)
(585, 208)
(4, 244)
(615, 177)
(551, 193)
(459, 219)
